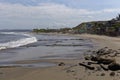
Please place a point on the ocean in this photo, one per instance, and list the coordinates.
(15, 39)
(18, 45)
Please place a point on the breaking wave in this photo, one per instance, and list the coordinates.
(21, 42)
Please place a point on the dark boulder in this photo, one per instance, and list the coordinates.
(114, 66)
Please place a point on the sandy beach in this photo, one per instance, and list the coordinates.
(70, 70)
(104, 41)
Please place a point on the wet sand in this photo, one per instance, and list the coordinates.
(70, 71)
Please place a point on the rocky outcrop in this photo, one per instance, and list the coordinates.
(105, 58)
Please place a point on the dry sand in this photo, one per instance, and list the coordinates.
(104, 41)
(71, 71)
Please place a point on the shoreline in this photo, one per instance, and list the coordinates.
(100, 40)
(104, 41)
(71, 70)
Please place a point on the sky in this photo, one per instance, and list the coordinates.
(30, 14)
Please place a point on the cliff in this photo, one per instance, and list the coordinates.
(111, 27)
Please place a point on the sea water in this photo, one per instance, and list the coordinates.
(17, 46)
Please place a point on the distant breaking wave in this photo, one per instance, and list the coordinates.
(21, 42)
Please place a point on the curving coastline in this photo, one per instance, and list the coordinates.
(70, 71)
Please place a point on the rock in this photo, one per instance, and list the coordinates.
(105, 51)
(87, 57)
(102, 51)
(114, 53)
(101, 60)
(94, 58)
(1, 72)
(61, 64)
(98, 68)
(89, 63)
(112, 74)
(104, 67)
(102, 74)
(105, 61)
(114, 66)
(69, 71)
(87, 66)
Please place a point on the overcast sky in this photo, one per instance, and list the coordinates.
(29, 14)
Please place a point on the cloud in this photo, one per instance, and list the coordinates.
(46, 14)
(112, 10)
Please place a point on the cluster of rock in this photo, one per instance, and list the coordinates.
(99, 63)
(106, 58)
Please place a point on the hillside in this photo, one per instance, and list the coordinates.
(111, 27)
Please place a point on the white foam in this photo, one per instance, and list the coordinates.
(21, 42)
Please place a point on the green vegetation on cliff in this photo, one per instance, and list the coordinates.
(111, 27)
(61, 30)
